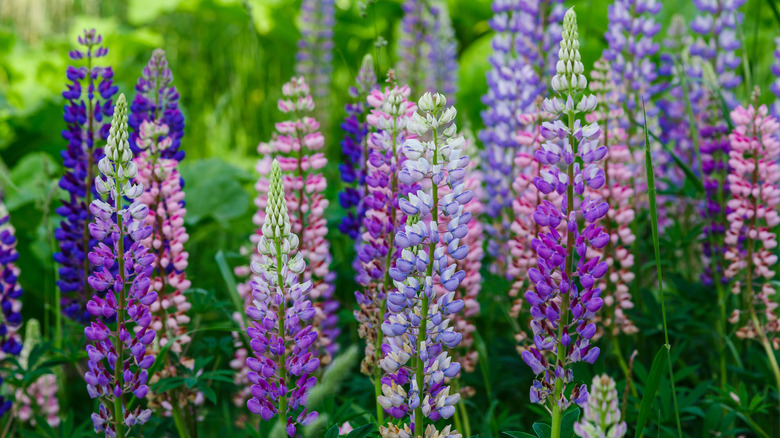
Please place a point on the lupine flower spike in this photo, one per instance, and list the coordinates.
(10, 294)
(775, 87)
(158, 127)
(754, 177)
(85, 114)
(40, 397)
(282, 338)
(417, 328)
(565, 296)
(602, 413)
(314, 59)
(118, 358)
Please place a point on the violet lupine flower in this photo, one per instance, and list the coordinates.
(563, 310)
(444, 53)
(282, 344)
(157, 100)
(775, 87)
(390, 114)
(86, 129)
(524, 33)
(602, 412)
(415, 46)
(754, 178)
(717, 42)
(618, 192)
(40, 396)
(120, 369)
(417, 327)
(10, 294)
(354, 146)
(630, 35)
(314, 59)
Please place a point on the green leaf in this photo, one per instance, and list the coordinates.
(214, 190)
(207, 391)
(651, 389)
(361, 432)
(191, 381)
(333, 432)
(542, 430)
(519, 434)
(567, 422)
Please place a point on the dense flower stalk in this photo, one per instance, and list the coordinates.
(40, 397)
(602, 412)
(118, 357)
(563, 310)
(314, 59)
(85, 113)
(391, 112)
(618, 192)
(158, 127)
(444, 52)
(282, 343)
(10, 294)
(354, 147)
(717, 42)
(524, 33)
(755, 193)
(775, 86)
(417, 327)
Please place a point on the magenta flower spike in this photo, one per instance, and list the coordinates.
(565, 296)
(118, 356)
(282, 339)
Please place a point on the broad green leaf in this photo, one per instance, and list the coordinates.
(333, 432)
(542, 430)
(519, 434)
(567, 422)
(361, 432)
(651, 388)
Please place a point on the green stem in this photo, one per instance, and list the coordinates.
(120, 314)
(280, 312)
(178, 419)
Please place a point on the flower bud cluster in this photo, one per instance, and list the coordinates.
(88, 88)
(118, 369)
(562, 308)
(417, 327)
(281, 337)
(754, 178)
(602, 413)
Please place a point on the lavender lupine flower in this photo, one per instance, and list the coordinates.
(118, 358)
(314, 59)
(444, 53)
(282, 343)
(414, 45)
(602, 412)
(417, 327)
(717, 43)
(86, 129)
(775, 87)
(390, 114)
(354, 146)
(561, 307)
(157, 100)
(524, 33)
(10, 294)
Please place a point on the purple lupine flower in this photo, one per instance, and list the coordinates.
(562, 308)
(632, 27)
(118, 359)
(775, 87)
(717, 43)
(524, 33)
(414, 45)
(355, 149)
(282, 338)
(390, 114)
(86, 128)
(314, 59)
(10, 294)
(444, 53)
(156, 99)
(421, 387)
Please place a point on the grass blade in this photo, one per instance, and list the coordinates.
(651, 388)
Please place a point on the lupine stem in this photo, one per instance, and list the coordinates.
(120, 314)
(280, 312)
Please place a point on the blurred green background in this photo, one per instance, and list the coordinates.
(229, 59)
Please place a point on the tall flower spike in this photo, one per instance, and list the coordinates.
(444, 52)
(40, 396)
(158, 127)
(282, 340)
(354, 146)
(314, 59)
(775, 87)
(565, 295)
(524, 33)
(602, 413)
(118, 358)
(717, 42)
(10, 294)
(417, 327)
(86, 130)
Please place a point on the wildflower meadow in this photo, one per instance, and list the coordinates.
(389, 218)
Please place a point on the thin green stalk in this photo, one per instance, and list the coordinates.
(280, 312)
(656, 250)
(120, 318)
